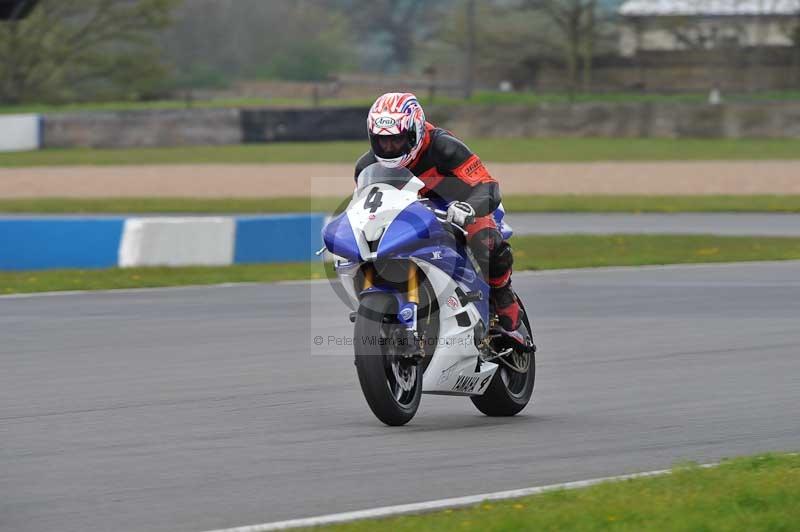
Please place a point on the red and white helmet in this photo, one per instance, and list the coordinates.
(396, 127)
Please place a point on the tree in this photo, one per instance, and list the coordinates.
(792, 30)
(389, 31)
(576, 21)
(16, 9)
(392, 21)
(81, 49)
(510, 40)
(284, 39)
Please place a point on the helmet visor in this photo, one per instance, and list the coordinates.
(390, 146)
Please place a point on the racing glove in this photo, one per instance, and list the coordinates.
(460, 213)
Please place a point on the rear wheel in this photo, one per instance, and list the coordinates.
(511, 388)
(391, 382)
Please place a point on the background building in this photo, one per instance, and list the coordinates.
(667, 25)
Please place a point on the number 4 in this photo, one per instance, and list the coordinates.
(373, 200)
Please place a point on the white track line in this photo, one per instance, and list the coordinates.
(441, 504)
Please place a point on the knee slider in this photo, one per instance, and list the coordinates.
(483, 245)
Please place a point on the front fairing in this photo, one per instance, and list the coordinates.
(413, 227)
(340, 240)
(384, 223)
(357, 233)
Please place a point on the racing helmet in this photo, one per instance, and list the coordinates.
(396, 128)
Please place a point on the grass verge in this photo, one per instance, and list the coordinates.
(113, 278)
(530, 252)
(753, 493)
(171, 205)
(588, 251)
(491, 150)
(655, 204)
(512, 203)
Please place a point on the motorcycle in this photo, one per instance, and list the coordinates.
(420, 305)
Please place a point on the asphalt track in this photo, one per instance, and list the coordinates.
(204, 408)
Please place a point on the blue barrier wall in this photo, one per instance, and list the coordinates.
(278, 238)
(37, 243)
(29, 243)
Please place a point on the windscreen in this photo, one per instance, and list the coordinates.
(377, 173)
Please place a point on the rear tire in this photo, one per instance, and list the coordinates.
(498, 400)
(378, 366)
(510, 391)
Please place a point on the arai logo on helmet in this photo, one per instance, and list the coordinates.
(385, 121)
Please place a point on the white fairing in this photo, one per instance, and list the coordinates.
(454, 361)
(452, 368)
(368, 225)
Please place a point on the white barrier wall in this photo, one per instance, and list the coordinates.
(177, 242)
(19, 132)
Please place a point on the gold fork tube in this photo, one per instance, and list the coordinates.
(368, 280)
(413, 283)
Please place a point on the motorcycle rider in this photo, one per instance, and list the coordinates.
(400, 136)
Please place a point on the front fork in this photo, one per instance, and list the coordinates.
(407, 313)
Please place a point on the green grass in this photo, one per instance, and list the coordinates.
(585, 251)
(113, 278)
(641, 204)
(168, 205)
(491, 150)
(530, 252)
(513, 204)
(480, 98)
(753, 493)
(288, 152)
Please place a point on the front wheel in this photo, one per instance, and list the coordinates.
(390, 381)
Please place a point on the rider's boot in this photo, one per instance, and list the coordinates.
(507, 307)
(503, 298)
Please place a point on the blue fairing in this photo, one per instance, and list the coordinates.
(452, 259)
(339, 238)
(415, 226)
(499, 215)
(416, 233)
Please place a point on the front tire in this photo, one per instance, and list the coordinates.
(391, 384)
